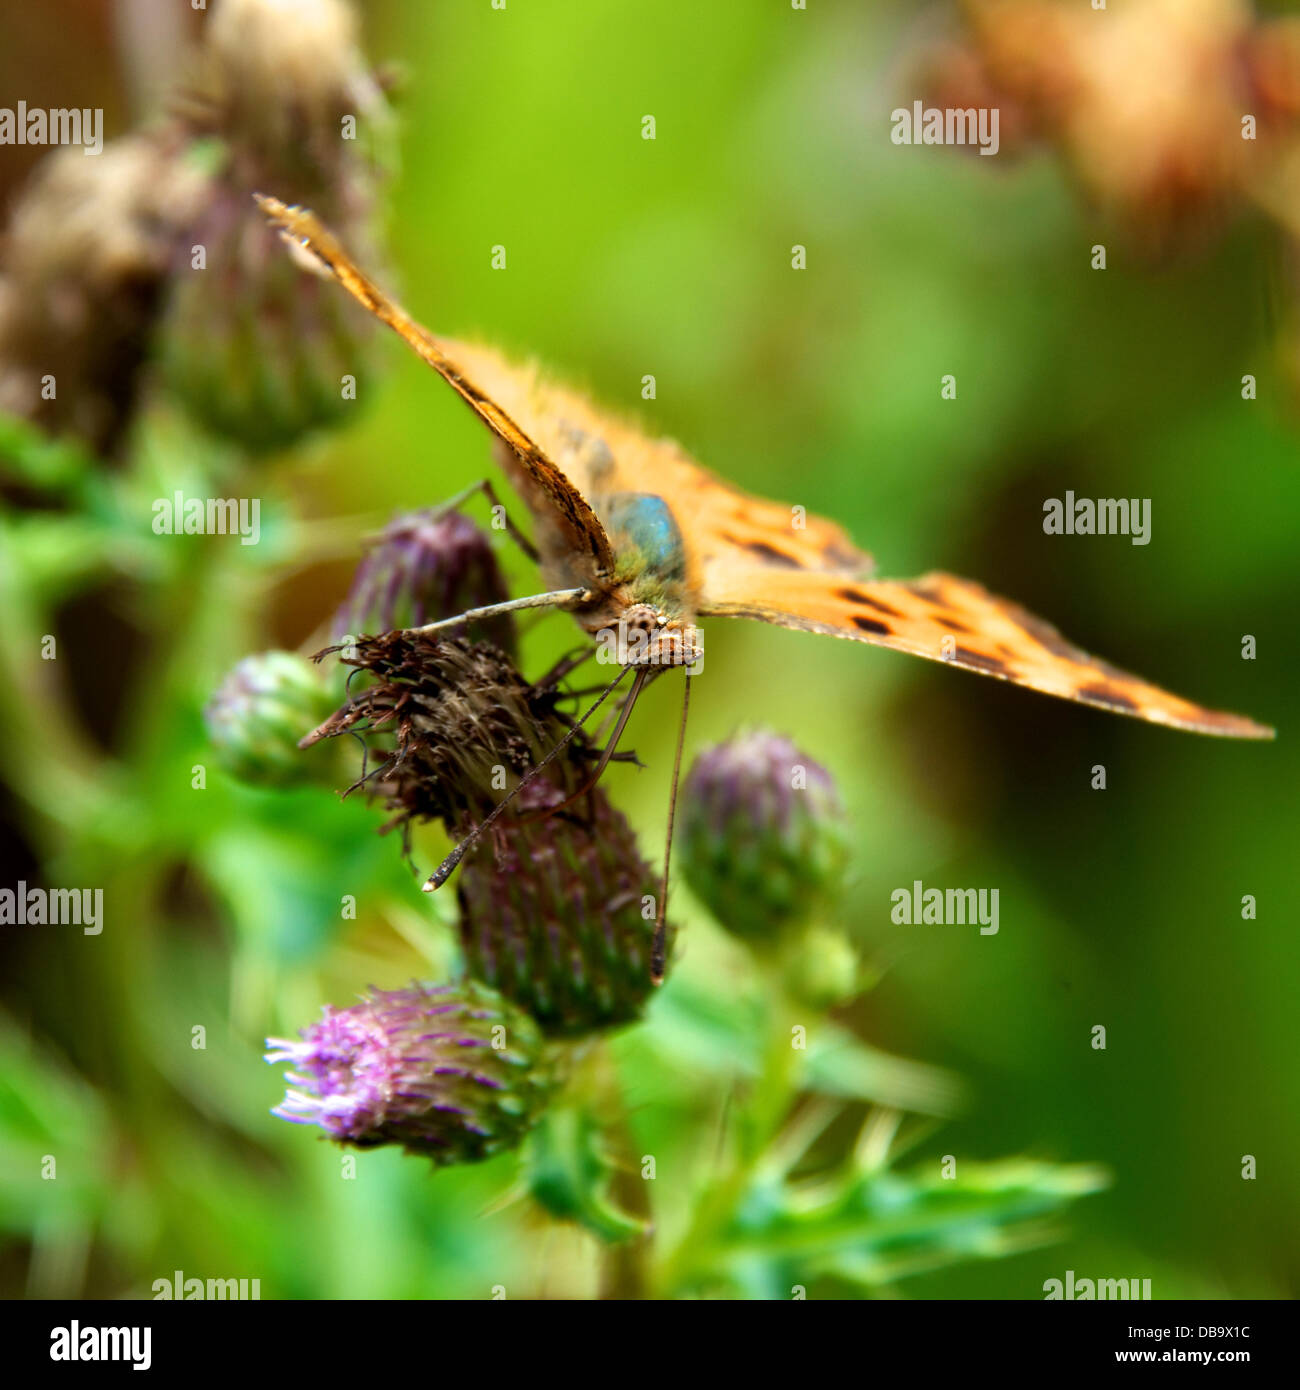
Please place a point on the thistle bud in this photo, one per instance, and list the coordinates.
(278, 80)
(85, 259)
(259, 714)
(763, 842)
(425, 566)
(452, 1072)
(559, 914)
(256, 350)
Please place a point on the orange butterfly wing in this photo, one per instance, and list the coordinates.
(602, 455)
(952, 620)
(560, 451)
(572, 537)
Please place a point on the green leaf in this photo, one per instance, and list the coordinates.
(871, 1227)
(56, 1142)
(724, 1034)
(37, 459)
(838, 1064)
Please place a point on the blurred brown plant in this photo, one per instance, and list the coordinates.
(1170, 114)
(158, 235)
(1174, 117)
(256, 350)
(84, 264)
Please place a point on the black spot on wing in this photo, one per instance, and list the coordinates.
(769, 554)
(951, 624)
(872, 625)
(857, 596)
(980, 661)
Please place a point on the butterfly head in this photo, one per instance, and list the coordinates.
(648, 636)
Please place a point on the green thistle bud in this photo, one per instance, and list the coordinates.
(254, 349)
(278, 80)
(763, 842)
(559, 914)
(452, 1072)
(425, 566)
(259, 714)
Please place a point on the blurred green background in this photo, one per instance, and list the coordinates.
(672, 257)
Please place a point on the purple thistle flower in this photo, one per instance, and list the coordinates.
(454, 1072)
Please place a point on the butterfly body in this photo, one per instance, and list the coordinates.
(651, 541)
(646, 594)
(647, 541)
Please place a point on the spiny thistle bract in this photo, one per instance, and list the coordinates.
(424, 566)
(763, 836)
(557, 904)
(455, 1072)
(260, 713)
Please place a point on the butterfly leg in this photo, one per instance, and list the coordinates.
(485, 487)
(565, 667)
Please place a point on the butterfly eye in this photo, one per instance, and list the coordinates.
(640, 617)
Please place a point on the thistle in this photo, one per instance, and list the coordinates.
(559, 913)
(260, 713)
(85, 261)
(763, 838)
(455, 1072)
(281, 99)
(557, 904)
(424, 566)
(452, 725)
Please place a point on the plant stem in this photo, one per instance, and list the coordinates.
(758, 1124)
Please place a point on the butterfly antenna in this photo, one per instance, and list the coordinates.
(444, 870)
(658, 951)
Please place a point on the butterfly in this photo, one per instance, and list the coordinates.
(634, 537)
